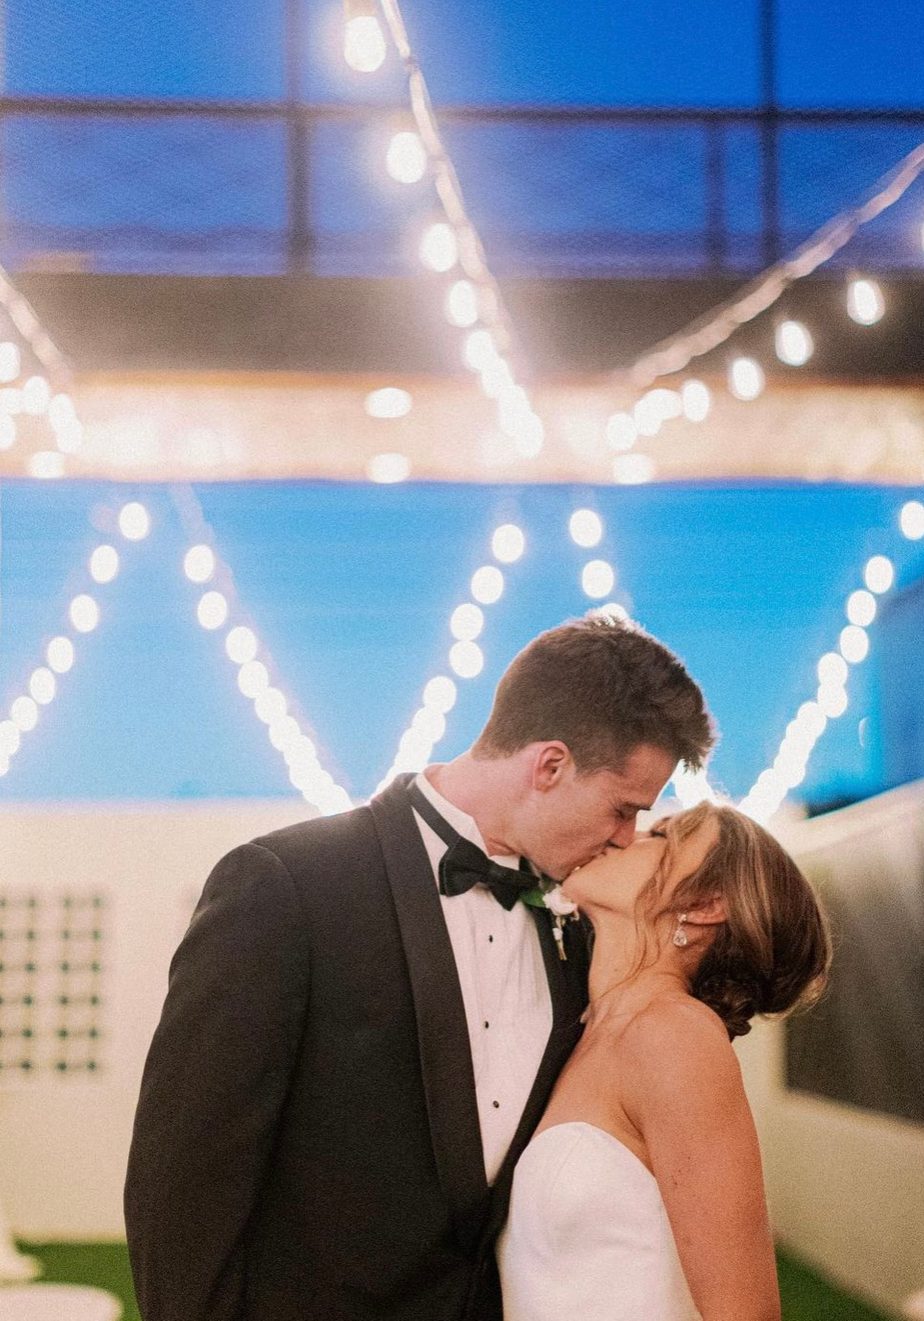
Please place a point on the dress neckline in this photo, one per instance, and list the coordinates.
(595, 1128)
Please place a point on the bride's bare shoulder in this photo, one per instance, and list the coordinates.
(679, 1040)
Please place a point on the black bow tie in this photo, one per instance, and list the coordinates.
(464, 864)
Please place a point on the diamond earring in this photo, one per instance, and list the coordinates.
(680, 936)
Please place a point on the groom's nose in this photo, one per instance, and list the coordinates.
(624, 834)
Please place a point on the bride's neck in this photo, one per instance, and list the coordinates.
(616, 983)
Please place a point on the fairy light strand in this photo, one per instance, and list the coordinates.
(218, 609)
(717, 325)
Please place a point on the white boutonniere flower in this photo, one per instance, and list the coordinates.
(548, 894)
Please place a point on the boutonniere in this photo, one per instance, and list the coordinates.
(548, 894)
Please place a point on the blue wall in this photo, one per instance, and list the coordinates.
(351, 587)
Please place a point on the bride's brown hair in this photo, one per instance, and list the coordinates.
(772, 953)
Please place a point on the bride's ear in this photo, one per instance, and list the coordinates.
(708, 913)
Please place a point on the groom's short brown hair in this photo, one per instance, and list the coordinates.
(601, 686)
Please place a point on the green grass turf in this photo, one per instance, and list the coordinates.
(805, 1297)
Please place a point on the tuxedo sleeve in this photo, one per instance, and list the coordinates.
(213, 1087)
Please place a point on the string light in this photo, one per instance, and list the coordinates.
(199, 563)
(597, 579)
(386, 469)
(465, 659)
(406, 159)
(7, 432)
(621, 431)
(389, 402)
(586, 528)
(439, 248)
(794, 343)
(831, 700)
(879, 574)
(461, 306)
(865, 303)
(633, 469)
(746, 378)
(242, 645)
(363, 39)
(696, 400)
(43, 686)
(134, 521)
(911, 520)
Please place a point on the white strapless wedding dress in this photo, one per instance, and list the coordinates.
(587, 1236)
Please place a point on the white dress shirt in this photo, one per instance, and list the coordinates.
(504, 988)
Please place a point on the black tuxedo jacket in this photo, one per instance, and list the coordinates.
(306, 1146)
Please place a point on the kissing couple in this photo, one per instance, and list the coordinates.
(464, 1053)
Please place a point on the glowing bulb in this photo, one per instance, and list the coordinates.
(854, 644)
(865, 303)
(252, 678)
(199, 563)
(60, 654)
(364, 43)
(24, 714)
(586, 528)
(746, 378)
(388, 402)
(439, 247)
(861, 608)
(10, 738)
(633, 469)
(508, 543)
(440, 694)
(104, 564)
(61, 411)
(46, 463)
(610, 610)
(461, 304)
(10, 361)
(466, 622)
(430, 723)
(212, 610)
(84, 613)
(911, 520)
(284, 732)
(621, 431)
(647, 416)
(794, 344)
(487, 584)
(597, 578)
(388, 468)
(832, 700)
(7, 432)
(270, 705)
(11, 400)
(832, 670)
(480, 351)
(42, 686)
(134, 521)
(696, 399)
(467, 659)
(879, 574)
(241, 645)
(36, 395)
(406, 159)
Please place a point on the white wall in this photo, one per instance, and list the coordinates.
(64, 1139)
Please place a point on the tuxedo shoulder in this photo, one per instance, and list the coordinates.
(321, 841)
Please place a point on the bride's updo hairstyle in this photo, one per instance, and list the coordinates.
(772, 953)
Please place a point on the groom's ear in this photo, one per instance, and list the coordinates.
(550, 760)
(709, 912)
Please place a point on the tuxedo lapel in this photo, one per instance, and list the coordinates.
(445, 1053)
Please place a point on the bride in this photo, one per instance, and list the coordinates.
(640, 1196)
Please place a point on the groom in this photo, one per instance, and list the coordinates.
(364, 1022)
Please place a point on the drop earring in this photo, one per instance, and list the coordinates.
(680, 936)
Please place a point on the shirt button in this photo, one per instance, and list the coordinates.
(486, 1023)
(496, 1104)
(491, 938)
